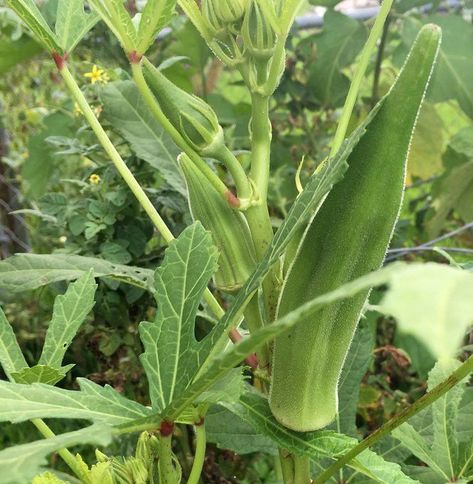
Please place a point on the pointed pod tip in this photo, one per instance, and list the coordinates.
(432, 29)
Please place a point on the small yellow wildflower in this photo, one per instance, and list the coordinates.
(94, 179)
(98, 111)
(63, 239)
(97, 75)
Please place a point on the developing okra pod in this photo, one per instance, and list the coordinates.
(347, 239)
(228, 227)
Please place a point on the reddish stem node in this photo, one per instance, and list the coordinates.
(200, 422)
(232, 199)
(59, 59)
(134, 57)
(166, 428)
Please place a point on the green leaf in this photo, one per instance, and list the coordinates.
(22, 462)
(12, 52)
(105, 405)
(72, 23)
(155, 15)
(445, 451)
(226, 389)
(413, 440)
(442, 436)
(39, 167)
(172, 354)
(11, 357)
(40, 374)
(356, 364)
(69, 313)
(453, 191)
(428, 143)
(30, 14)
(340, 41)
(453, 75)
(229, 431)
(115, 15)
(24, 272)
(254, 409)
(432, 302)
(125, 109)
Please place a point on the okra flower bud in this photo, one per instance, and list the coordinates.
(257, 32)
(192, 117)
(229, 229)
(221, 13)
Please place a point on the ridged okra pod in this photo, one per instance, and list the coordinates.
(228, 227)
(348, 238)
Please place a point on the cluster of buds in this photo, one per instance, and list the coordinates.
(242, 27)
(224, 14)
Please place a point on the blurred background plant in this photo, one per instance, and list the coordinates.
(59, 192)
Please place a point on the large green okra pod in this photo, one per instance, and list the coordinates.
(347, 239)
(228, 227)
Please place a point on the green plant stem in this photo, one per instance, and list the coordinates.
(258, 215)
(457, 376)
(65, 454)
(254, 322)
(379, 62)
(287, 466)
(167, 471)
(365, 57)
(242, 183)
(145, 91)
(126, 174)
(199, 458)
(301, 470)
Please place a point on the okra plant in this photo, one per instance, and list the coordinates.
(295, 295)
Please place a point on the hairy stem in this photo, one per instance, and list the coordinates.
(457, 376)
(199, 458)
(254, 322)
(258, 215)
(65, 454)
(243, 186)
(365, 57)
(301, 470)
(379, 62)
(167, 471)
(287, 466)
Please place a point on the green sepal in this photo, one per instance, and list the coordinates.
(192, 117)
(229, 229)
(257, 31)
(221, 14)
(347, 239)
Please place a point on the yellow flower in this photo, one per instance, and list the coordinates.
(94, 179)
(97, 75)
